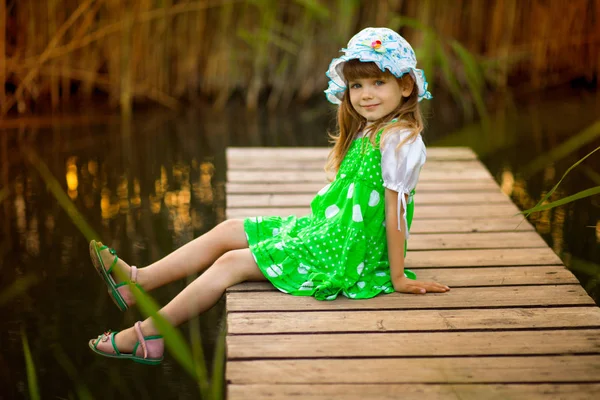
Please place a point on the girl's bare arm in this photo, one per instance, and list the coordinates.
(395, 241)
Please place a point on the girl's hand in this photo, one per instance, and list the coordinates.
(405, 285)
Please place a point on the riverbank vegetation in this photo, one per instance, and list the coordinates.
(173, 51)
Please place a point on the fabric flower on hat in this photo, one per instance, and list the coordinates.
(385, 48)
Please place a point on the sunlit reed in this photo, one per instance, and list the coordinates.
(166, 51)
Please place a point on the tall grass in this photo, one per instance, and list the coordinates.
(210, 383)
(32, 383)
(543, 203)
(166, 50)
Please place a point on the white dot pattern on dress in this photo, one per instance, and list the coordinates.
(374, 198)
(303, 254)
(356, 213)
(303, 269)
(274, 271)
(324, 190)
(360, 268)
(331, 211)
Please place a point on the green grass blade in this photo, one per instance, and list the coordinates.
(450, 77)
(577, 196)
(19, 286)
(475, 81)
(34, 391)
(280, 41)
(83, 393)
(398, 21)
(547, 196)
(56, 189)
(198, 356)
(584, 137)
(218, 370)
(593, 175)
(173, 338)
(315, 8)
(584, 266)
(427, 54)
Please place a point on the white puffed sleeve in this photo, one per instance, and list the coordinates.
(400, 168)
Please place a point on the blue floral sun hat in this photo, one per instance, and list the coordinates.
(385, 48)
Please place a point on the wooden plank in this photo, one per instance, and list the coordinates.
(508, 296)
(478, 240)
(301, 199)
(411, 320)
(507, 210)
(480, 258)
(466, 277)
(312, 153)
(319, 176)
(413, 344)
(580, 368)
(267, 164)
(314, 187)
(469, 225)
(484, 300)
(581, 391)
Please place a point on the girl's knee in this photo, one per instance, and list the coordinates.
(233, 224)
(239, 266)
(231, 235)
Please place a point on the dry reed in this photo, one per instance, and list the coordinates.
(165, 50)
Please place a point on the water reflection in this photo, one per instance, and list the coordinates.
(150, 186)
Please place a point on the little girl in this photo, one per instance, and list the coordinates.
(353, 242)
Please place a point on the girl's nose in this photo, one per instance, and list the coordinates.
(367, 93)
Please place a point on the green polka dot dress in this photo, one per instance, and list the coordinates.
(341, 246)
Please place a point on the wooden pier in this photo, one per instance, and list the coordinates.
(516, 324)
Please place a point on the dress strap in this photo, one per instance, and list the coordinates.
(402, 208)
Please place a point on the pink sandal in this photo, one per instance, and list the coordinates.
(148, 349)
(119, 292)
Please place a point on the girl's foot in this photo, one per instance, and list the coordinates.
(130, 344)
(113, 271)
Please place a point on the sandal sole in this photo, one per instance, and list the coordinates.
(108, 281)
(146, 361)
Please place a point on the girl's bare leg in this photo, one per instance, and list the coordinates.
(194, 256)
(233, 267)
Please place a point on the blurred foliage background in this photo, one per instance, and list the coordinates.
(169, 51)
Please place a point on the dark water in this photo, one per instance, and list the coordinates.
(149, 186)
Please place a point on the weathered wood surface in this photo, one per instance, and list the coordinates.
(582, 391)
(516, 323)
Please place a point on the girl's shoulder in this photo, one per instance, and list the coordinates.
(399, 135)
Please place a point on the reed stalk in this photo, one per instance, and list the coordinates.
(3, 54)
(54, 89)
(126, 95)
(178, 48)
(32, 383)
(45, 55)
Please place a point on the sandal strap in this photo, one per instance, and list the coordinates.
(105, 337)
(138, 331)
(113, 264)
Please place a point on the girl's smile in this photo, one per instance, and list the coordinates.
(374, 98)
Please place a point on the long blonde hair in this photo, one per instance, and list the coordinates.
(349, 122)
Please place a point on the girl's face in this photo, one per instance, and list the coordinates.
(375, 98)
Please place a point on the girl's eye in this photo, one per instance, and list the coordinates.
(354, 85)
(379, 83)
